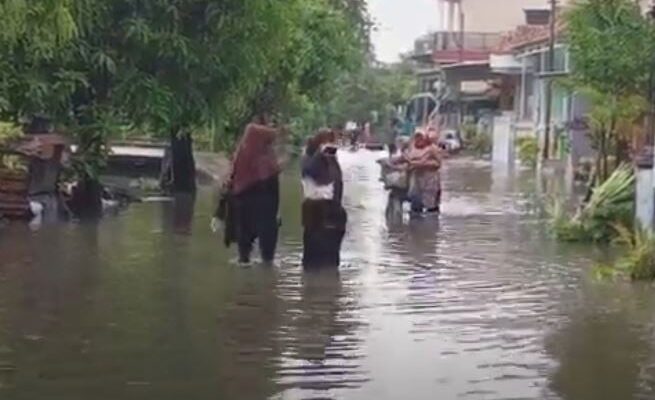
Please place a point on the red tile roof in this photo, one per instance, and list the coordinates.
(456, 56)
(527, 35)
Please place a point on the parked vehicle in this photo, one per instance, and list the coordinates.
(450, 141)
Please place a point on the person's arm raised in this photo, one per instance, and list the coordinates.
(264, 130)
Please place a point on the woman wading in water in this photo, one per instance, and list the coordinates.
(424, 163)
(250, 206)
(323, 216)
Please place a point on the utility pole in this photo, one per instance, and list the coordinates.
(650, 123)
(549, 83)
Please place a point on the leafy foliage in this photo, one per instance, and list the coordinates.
(528, 151)
(97, 67)
(611, 203)
(480, 144)
(8, 132)
(371, 90)
(638, 262)
(322, 49)
(608, 40)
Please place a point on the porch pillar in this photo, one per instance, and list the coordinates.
(523, 89)
(645, 193)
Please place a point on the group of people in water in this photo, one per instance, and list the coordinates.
(419, 164)
(250, 199)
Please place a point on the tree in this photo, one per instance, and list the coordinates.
(42, 76)
(184, 64)
(97, 67)
(608, 40)
(192, 64)
(371, 89)
(325, 43)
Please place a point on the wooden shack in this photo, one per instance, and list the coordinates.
(42, 156)
(14, 203)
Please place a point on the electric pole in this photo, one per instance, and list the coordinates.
(550, 66)
(650, 123)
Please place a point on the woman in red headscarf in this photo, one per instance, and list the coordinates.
(254, 193)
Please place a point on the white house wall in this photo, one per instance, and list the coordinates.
(496, 15)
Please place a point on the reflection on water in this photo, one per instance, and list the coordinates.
(604, 351)
(178, 214)
(479, 304)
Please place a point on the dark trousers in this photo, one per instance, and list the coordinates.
(417, 204)
(392, 148)
(322, 248)
(256, 218)
(324, 228)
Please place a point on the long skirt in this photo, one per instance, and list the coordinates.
(324, 223)
(256, 217)
(425, 190)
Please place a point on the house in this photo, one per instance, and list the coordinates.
(523, 55)
(490, 16)
(471, 32)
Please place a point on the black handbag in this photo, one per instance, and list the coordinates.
(224, 197)
(225, 213)
(223, 204)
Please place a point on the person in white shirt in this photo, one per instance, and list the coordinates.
(323, 217)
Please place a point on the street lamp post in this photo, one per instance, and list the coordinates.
(651, 91)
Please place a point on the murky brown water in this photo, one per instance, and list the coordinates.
(478, 305)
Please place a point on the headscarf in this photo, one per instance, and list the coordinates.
(423, 155)
(403, 143)
(419, 135)
(255, 159)
(322, 168)
(433, 135)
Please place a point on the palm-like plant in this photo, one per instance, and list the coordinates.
(639, 259)
(611, 203)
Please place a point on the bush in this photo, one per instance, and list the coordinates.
(480, 144)
(9, 131)
(638, 262)
(528, 151)
(565, 228)
(469, 131)
(611, 204)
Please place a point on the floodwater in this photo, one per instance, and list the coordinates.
(480, 304)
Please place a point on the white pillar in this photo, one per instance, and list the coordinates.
(443, 10)
(451, 17)
(503, 140)
(457, 11)
(644, 197)
(524, 68)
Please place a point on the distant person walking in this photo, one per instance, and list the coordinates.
(254, 192)
(395, 129)
(367, 133)
(323, 216)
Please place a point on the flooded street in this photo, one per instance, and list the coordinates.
(480, 304)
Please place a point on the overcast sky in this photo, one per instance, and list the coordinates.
(399, 23)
